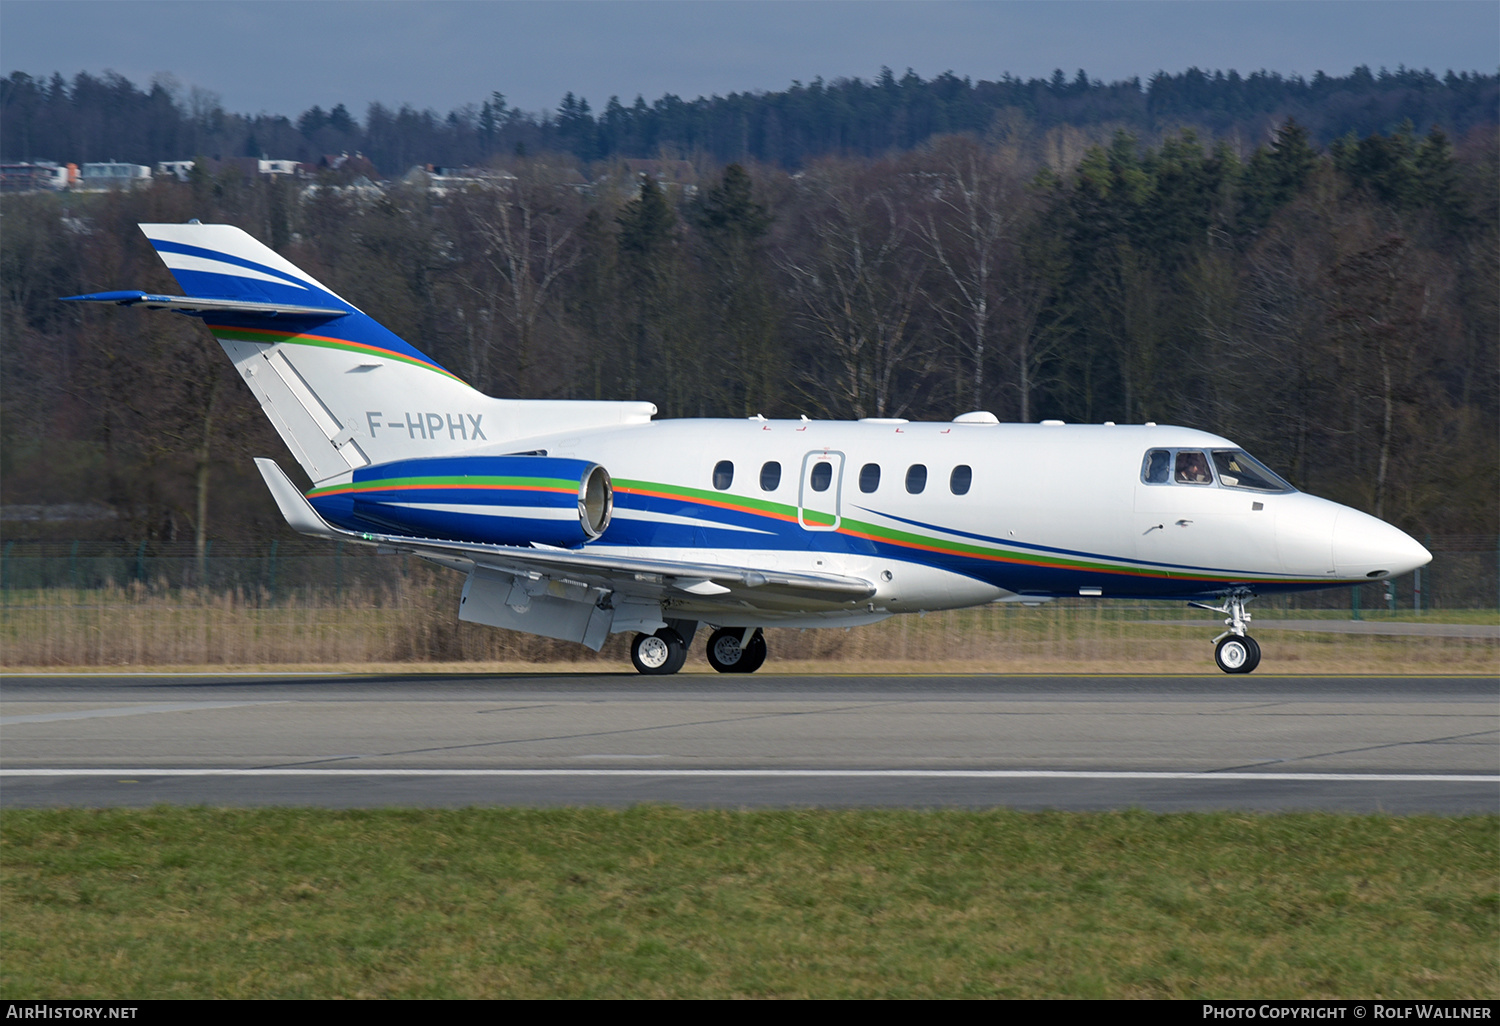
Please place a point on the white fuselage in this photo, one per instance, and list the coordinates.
(1048, 511)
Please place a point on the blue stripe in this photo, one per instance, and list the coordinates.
(1015, 577)
(1011, 543)
(222, 257)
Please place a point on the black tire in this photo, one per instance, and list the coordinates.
(1236, 654)
(755, 653)
(658, 654)
(1254, 659)
(727, 655)
(724, 651)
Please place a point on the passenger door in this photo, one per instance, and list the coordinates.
(820, 491)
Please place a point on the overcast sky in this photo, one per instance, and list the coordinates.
(284, 56)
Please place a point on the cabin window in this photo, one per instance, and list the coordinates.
(1158, 467)
(869, 477)
(723, 474)
(822, 476)
(1192, 468)
(1238, 469)
(770, 476)
(916, 478)
(960, 480)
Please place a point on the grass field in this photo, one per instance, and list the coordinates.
(659, 902)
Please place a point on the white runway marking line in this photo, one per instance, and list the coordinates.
(1400, 778)
(126, 710)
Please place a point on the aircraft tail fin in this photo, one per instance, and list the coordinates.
(342, 390)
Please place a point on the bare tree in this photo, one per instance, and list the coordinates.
(968, 227)
(858, 286)
(525, 233)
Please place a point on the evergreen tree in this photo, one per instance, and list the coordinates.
(648, 275)
(733, 227)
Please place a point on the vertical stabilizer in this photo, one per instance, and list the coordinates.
(342, 390)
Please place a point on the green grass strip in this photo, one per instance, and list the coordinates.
(661, 902)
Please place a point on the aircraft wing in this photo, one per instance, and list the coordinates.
(736, 586)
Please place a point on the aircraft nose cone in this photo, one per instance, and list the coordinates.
(1366, 547)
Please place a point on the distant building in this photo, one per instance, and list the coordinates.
(43, 175)
(266, 166)
(111, 174)
(359, 188)
(674, 176)
(355, 166)
(178, 169)
(440, 181)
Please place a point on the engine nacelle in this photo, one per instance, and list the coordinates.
(500, 500)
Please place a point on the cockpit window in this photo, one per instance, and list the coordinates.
(1192, 468)
(1238, 469)
(1158, 468)
(1232, 468)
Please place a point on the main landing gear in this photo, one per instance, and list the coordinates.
(730, 650)
(1235, 651)
(736, 650)
(662, 652)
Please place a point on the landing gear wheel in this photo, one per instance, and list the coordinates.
(727, 655)
(1237, 654)
(659, 653)
(1254, 654)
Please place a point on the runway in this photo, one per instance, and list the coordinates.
(1398, 744)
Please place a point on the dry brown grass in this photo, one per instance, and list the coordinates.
(411, 624)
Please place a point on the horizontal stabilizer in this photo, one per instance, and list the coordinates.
(190, 305)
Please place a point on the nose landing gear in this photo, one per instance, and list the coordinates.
(1235, 651)
(1237, 655)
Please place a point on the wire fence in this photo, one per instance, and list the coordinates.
(71, 604)
(1464, 573)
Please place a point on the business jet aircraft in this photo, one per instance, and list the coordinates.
(577, 520)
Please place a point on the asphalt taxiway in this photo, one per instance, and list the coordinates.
(1259, 742)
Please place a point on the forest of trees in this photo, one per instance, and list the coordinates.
(1333, 308)
(107, 117)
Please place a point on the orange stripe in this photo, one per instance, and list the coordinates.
(1016, 560)
(364, 346)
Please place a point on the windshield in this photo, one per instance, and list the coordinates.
(1238, 469)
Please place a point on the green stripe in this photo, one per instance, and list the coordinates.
(898, 537)
(704, 495)
(560, 483)
(292, 338)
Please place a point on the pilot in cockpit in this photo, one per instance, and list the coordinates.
(1192, 468)
(1158, 466)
